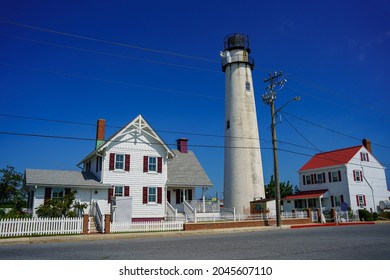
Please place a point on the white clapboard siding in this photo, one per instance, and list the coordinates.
(146, 226)
(40, 226)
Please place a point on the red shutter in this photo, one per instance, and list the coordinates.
(330, 177)
(312, 179)
(339, 176)
(342, 198)
(354, 175)
(368, 159)
(47, 195)
(361, 156)
(361, 176)
(189, 195)
(146, 162)
(159, 195)
(127, 191)
(112, 161)
(315, 178)
(323, 177)
(357, 200)
(127, 162)
(304, 179)
(332, 200)
(159, 165)
(145, 195)
(364, 200)
(67, 191)
(110, 194)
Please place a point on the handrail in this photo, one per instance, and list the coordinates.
(170, 210)
(189, 210)
(99, 217)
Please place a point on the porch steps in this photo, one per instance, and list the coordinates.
(92, 226)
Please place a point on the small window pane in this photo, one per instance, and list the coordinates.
(152, 164)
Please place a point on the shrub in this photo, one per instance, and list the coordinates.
(365, 215)
(375, 216)
(385, 215)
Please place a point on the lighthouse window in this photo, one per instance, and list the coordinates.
(227, 124)
(247, 86)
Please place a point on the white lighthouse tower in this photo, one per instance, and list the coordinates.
(243, 171)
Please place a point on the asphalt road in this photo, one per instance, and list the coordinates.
(326, 243)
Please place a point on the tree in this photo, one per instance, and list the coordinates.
(60, 207)
(286, 189)
(10, 184)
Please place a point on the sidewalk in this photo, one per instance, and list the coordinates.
(113, 236)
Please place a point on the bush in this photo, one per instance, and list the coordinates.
(365, 215)
(385, 215)
(375, 216)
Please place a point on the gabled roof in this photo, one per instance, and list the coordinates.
(62, 178)
(185, 170)
(138, 124)
(306, 195)
(332, 158)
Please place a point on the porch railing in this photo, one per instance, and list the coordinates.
(189, 212)
(171, 211)
(97, 213)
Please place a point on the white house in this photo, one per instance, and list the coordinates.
(346, 178)
(133, 175)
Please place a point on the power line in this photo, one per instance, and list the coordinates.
(111, 81)
(105, 41)
(111, 54)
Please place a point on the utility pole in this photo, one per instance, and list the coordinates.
(275, 80)
(269, 98)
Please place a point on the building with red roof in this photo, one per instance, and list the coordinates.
(345, 178)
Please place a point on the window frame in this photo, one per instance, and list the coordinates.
(335, 176)
(119, 193)
(361, 200)
(308, 180)
(122, 162)
(151, 164)
(358, 176)
(152, 197)
(320, 178)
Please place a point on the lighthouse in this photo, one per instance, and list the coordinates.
(243, 171)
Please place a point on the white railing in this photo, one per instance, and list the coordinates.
(171, 212)
(97, 214)
(205, 206)
(146, 226)
(347, 216)
(189, 212)
(40, 226)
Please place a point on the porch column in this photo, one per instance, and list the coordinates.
(204, 204)
(85, 223)
(320, 212)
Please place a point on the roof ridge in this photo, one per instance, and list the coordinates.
(342, 149)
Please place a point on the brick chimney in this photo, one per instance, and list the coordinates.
(100, 131)
(182, 145)
(367, 144)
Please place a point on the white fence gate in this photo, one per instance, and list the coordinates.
(40, 226)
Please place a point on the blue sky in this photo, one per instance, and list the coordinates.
(77, 61)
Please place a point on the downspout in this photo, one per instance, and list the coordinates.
(372, 190)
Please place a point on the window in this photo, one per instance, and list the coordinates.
(335, 176)
(227, 124)
(152, 165)
(358, 176)
(152, 194)
(337, 201)
(361, 200)
(364, 156)
(118, 191)
(320, 179)
(308, 179)
(119, 161)
(58, 193)
(247, 86)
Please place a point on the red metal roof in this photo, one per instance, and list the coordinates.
(331, 158)
(306, 194)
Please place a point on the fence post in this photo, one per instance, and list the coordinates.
(85, 223)
(107, 223)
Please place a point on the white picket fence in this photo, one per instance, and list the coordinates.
(146, 226)
(40, 226)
